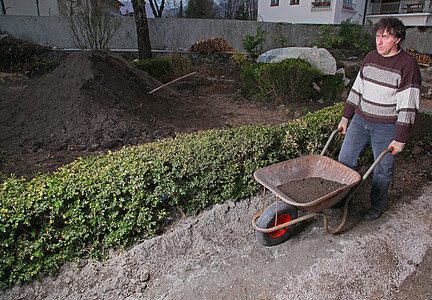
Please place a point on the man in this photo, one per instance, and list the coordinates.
(382, 106)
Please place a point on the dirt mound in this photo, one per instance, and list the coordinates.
(21, 56)
(93, 100)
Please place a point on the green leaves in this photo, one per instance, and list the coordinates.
(347, 35)
(155, 67)
(291, 77)
(253, 44)
(118, 199)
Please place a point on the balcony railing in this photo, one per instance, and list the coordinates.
(401, 7)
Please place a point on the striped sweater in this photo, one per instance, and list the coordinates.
(387, 90)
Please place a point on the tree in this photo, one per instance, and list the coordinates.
(91, 25)
(3, 7)
(157, 8)
(37, 6)
(241, 13)
(227, 8)
(204, 9)
(239, 10)
(143, 36)
(180, 13)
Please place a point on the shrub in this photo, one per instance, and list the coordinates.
(240, 61)
(164, 68)
(253, 44)
(181, 64)
(50, 66)
(284, 41)
(347, 35)
(116, 200)
(155, 67)
(332, 86)
(291, 77)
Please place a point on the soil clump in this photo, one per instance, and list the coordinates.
(309, 189)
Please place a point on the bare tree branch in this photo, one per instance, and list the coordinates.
(90, 24)
(157, 9)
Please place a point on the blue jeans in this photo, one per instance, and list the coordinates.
(359, 134)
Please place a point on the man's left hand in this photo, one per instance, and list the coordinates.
(397, 147)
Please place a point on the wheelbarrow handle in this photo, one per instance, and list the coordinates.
(330, 139)
(391, 149)
(365, 175)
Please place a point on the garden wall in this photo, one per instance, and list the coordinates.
(180, 34)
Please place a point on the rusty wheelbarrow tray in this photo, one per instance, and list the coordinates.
(275, 223)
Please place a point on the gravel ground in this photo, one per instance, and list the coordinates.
(216, 256)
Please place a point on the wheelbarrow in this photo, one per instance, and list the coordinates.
(277, 222)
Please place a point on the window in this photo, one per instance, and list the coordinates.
(321, 3)
(294, 2)
(274, 2)
(348, 4)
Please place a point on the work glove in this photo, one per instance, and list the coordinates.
(343, 124)
(397, 147)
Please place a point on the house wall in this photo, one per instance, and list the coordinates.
(181, 34)
(300, 13)
(305, 13)
(355, 15)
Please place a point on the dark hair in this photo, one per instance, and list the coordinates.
(393, 25)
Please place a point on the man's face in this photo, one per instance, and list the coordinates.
(386, 43)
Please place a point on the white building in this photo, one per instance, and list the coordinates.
(411, 12)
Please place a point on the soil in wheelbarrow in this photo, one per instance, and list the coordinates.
(309, 189)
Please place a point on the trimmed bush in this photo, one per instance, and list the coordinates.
(291, 77)
(332, 86)
(117, 200)
(155, 67)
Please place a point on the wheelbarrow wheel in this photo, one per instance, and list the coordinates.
(285, 213)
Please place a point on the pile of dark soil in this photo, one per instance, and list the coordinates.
(93, 100)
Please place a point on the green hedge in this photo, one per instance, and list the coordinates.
(117, 200)
(155, 67)
(292, 77)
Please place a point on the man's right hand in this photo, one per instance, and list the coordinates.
(343, 124)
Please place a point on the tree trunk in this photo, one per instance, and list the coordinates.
(3, 7)
(143, 36)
